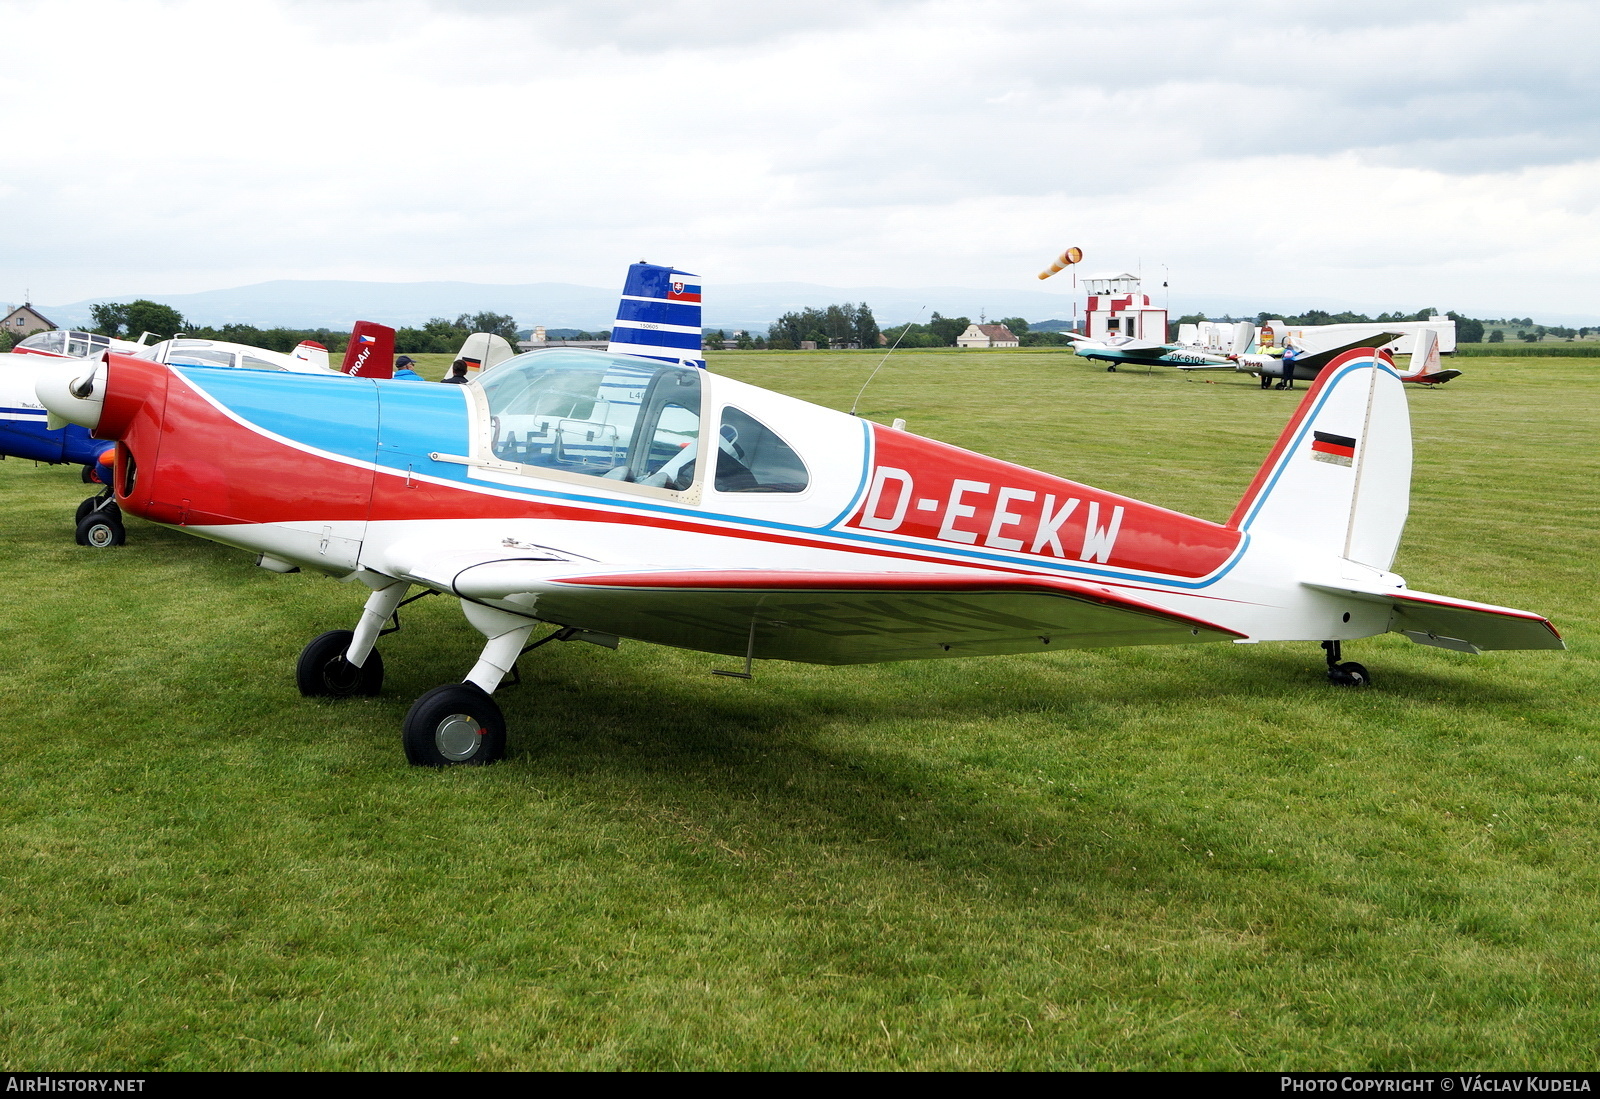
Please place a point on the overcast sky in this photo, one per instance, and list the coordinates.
(1389, 155)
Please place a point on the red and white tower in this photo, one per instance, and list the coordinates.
(1118, 307)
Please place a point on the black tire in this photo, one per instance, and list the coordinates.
(323, 672)
(1349, 674)
(102, 501)
(88, 476)
(453, 725)
(1357, 674)
(101, 529)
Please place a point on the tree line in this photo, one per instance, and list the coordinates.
(440, 335)
(837, 326)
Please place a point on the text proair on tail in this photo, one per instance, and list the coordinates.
(659, 315)
(371, 351)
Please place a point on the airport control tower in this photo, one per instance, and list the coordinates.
(1118, 307)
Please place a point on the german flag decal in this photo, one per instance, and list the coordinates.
(1338, 449)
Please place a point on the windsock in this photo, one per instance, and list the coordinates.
(1063, 261)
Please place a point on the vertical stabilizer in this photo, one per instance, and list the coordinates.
(659, 315)
(310, 351)
(371, 351)
(1424, 355)
(1339, 478)
(481, 350)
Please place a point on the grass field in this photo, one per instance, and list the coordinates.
(1162, 858)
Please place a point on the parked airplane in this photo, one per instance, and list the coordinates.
(1131, 351)
(1425, 368)
(26, 431)
(609, 496)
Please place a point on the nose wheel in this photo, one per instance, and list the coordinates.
(1344, 673)
(100, 528)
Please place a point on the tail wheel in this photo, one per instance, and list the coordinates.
(454, 724)
(323, 672)
(1349, 674)
(99, 529)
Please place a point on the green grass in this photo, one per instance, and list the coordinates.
(1194, 857)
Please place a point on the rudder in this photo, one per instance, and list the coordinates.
(659, 315)
(1339, 477)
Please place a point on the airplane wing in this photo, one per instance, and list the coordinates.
(1458, 624)
(816, 617)
(1224, 365)
(1307, 367)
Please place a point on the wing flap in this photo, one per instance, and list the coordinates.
(1458, 624)
(833, 618)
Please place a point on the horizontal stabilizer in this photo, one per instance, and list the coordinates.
(1458, 624)
(820, 617)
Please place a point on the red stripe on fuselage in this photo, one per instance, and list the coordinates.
(931, 491)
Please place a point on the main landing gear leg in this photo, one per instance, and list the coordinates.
(380, 607)
(99, 521)
(339, 663)
(1347, 674)
(459, 722)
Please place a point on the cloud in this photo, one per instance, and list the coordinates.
(1349, 148)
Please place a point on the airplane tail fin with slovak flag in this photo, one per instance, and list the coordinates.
(659, 316)
(371, 351)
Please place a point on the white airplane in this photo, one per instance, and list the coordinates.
(608, 496)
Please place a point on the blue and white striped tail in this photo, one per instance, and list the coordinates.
(659, 316)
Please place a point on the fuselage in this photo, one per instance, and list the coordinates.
(334, 473)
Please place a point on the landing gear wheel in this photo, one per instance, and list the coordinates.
(1112, 369)
(323, 672)
(454, 724)
(93, 502)
(88, 476)
(99, 529)
(1349, 674)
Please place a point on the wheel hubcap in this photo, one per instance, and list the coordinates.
(100, 536)
(458, 737)
(339, 675)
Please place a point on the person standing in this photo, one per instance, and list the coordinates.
(458, 373)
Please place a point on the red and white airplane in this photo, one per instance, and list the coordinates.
(611, 495)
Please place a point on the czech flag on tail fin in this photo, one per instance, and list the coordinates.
(371, 351)
(659, 316)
